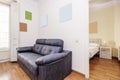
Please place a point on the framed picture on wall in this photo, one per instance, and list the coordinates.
(44, 21)
(66, 13)
(28, 15)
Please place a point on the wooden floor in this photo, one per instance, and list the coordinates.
(12, 71)
(100, 69)
(104, 69)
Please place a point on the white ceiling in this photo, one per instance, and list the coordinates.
(97, 4)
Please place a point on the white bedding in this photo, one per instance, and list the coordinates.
(93, 49)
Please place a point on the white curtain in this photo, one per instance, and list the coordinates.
(4, 26)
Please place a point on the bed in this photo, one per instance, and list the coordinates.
(94, 47)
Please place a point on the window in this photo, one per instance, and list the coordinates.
(4, 26)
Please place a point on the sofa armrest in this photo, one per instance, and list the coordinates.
(50, 58)
(24, 49)
(59, 68)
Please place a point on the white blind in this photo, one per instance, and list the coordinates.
(4, 26)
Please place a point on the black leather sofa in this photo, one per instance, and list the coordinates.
(46, 60)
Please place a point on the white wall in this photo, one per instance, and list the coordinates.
(108, 19)
(29, 37)
(105, 20)
(73, 32)
(117, 24)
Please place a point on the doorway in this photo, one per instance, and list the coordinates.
(104, 29)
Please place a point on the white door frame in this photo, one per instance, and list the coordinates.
(14, 30)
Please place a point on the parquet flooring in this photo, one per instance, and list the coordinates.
(100, 69)
(104, 69)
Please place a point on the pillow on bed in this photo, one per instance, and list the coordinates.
(94, 44)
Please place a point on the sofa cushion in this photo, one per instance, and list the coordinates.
(24, 49)
(50, 50)
(40, 41)
(28, 59)
(37, 48)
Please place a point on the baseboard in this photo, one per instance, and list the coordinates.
(83, 75)
(78, 73)
(4, 60)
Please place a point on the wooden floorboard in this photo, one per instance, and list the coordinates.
(104, 69)
(12, 71)
(100, 69)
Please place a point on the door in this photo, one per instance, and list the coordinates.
(14, 30)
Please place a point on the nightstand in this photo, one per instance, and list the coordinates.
(106, 52)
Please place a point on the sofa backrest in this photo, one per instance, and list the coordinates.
(48, 46)
(52, 42)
